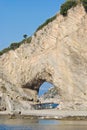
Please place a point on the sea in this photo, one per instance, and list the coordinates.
(41, 124)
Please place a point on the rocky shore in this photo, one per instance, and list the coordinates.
(47, 114)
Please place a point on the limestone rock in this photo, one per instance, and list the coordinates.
(57, 54)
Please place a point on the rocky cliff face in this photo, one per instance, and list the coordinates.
(57, 54)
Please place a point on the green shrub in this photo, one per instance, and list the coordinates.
(84, 2)
(27, 40)
(25, 36)
(16, 45)
(66, 6)
(46, 22)
(4, 51)
(0, 52)
(71, 3)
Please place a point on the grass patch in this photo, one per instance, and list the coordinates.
(14, 46)
(71, 3)
(46, 22)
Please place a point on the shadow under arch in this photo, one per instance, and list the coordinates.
(38, 80)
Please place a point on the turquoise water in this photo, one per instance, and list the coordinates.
(39, 124)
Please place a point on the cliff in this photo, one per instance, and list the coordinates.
(57, 54)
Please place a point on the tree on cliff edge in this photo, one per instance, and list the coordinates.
(25, 37)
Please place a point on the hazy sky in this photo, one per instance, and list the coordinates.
(18, 17)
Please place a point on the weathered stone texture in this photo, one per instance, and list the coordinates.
(57, 54)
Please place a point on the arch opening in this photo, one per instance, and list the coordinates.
(44, 88)
(47, 93)
(41, 84)
(38, 80)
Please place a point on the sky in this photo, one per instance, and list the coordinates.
(44, 88)
(19, 17)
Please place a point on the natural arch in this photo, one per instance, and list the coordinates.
(38, 80)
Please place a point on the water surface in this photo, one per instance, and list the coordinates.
(41, 124)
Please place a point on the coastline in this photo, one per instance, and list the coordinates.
(47, 114)
(56, 114)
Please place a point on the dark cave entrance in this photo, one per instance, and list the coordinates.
(40, 85)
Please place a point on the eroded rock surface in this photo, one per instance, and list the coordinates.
(57, 54)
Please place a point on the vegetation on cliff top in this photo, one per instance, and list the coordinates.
(66, 6)
(46, 22)
(63, 11)
(70, 4)
(16, 45)
(84, 2)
